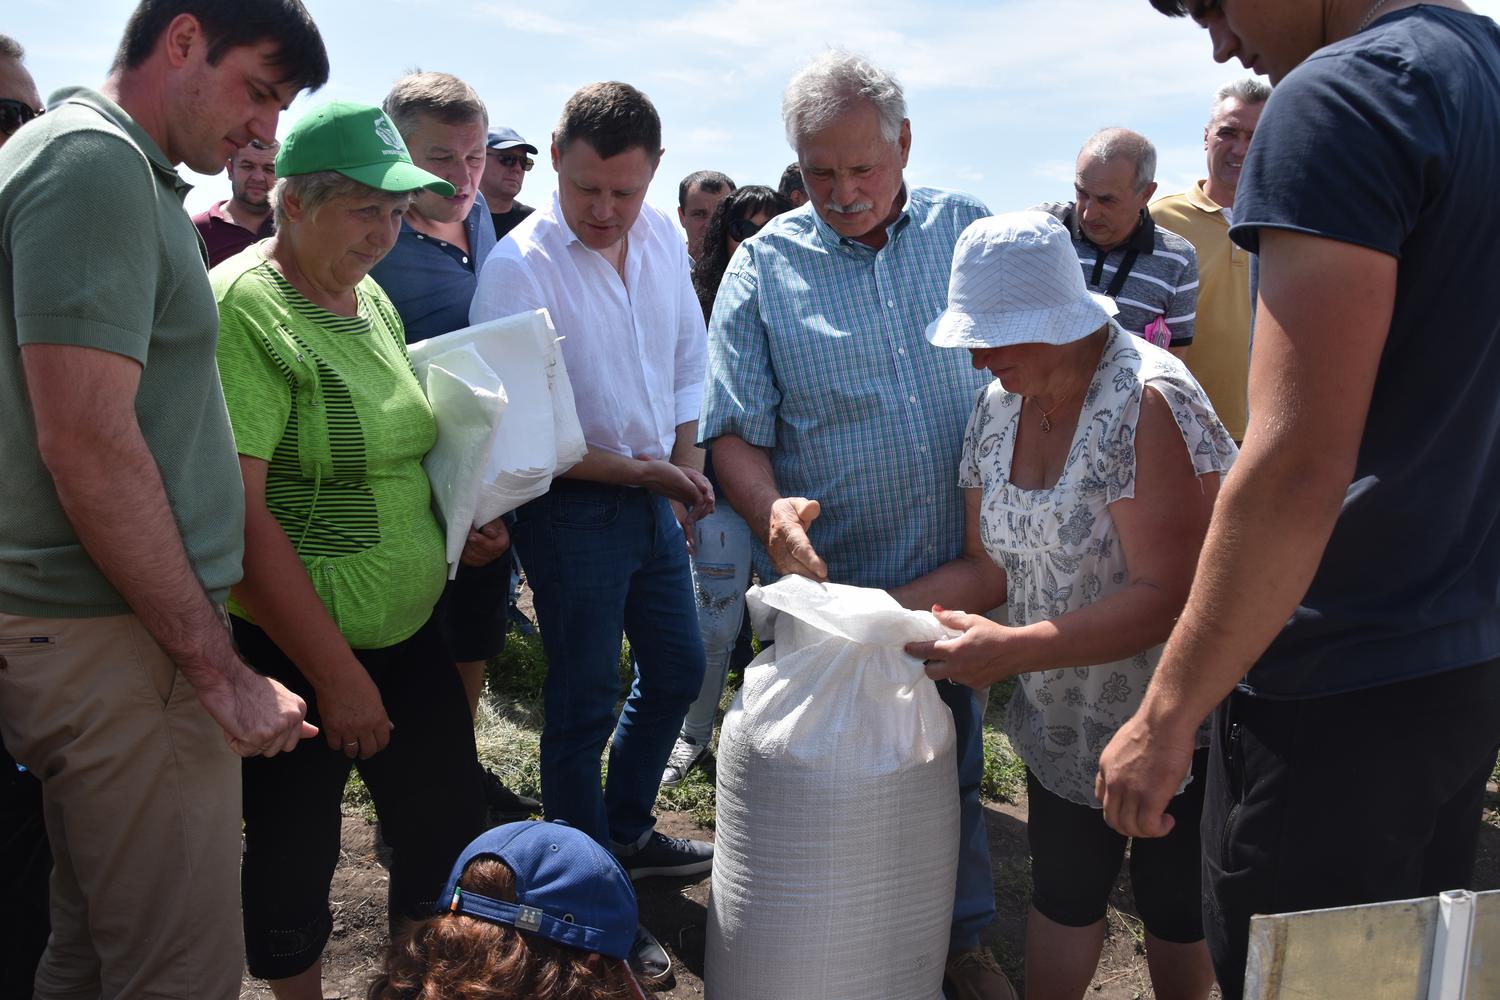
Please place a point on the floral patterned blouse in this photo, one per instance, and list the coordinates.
(1061, 552)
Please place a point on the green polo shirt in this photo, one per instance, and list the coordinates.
(96, 251)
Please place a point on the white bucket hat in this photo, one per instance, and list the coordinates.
(1016, 280)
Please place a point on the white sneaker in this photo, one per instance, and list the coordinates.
(685, 754)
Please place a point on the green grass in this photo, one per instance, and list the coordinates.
(510, 724)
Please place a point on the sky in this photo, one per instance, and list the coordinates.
(1001, 94)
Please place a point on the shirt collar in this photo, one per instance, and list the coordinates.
(1198, 198)
(833, 241)
(1142, 239)
(569, 237)
(116, 114)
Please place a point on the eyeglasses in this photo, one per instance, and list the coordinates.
(512, 160)
(14, 114)
(743, 229)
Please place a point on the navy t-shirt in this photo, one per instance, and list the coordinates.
(1391, 140)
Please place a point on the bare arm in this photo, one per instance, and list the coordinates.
(1160, 530)
(973, 580)
(280, 597)
(1323, 317)
(108, 484)
(779, 522)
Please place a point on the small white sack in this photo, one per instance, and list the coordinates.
(836, 844)
(538, 435)
(470, 399)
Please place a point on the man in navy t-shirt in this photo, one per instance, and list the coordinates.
(1347, 601)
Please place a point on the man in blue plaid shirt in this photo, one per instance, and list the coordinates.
(836, 428)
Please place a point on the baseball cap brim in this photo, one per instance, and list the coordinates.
(1058, 325)
(514, 144)
(396, 176)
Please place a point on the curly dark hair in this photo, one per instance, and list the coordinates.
(457, 957)
(708, 270)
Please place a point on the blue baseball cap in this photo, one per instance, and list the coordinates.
(502, 137)
(569, 889)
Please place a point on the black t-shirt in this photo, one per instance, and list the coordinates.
(506, 221)
(1391, 140)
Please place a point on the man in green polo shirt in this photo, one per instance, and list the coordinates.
(121, 511)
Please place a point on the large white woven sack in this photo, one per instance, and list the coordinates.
(836, 840)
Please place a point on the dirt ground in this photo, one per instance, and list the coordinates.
(676, 910)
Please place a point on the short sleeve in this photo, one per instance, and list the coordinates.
(740, 396)
(1182, 315)
(81, 262)
(257, 394)
(1209, 446)
(1350, 145)
(968, 460)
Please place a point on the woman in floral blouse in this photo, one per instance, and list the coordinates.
(1090, 467)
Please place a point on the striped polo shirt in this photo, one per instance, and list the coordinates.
(1160, 276)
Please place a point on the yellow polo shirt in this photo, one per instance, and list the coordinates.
(1219, 356)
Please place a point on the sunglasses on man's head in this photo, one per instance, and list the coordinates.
(512, 160)
(14, 114)
(743, 229)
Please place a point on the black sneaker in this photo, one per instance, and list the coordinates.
(663, 855)
(504, 805)
(648, 960)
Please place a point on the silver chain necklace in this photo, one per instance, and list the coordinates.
(1371, 15)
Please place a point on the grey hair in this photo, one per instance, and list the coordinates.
(1247, 91)
(11, 49)
(1109, 143)
(315, 190)
(832, 84)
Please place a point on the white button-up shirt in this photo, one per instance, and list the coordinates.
(635, 349)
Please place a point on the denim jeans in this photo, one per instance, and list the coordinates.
(605, 561)
(974, 895)
(721, 569)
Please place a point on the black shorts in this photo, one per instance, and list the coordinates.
(1342, 800)
(473, 613)
(1075, 860)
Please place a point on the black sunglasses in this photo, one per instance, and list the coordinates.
(743, 229)
(512, 160)
(14, 114)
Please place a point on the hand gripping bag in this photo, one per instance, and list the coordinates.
(836, 844)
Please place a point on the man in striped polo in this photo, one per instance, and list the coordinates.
(1150, 272)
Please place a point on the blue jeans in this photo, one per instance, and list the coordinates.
(974, 895)
(605, 561)
(721, 569)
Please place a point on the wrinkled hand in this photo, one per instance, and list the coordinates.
(1139, 772)
(259, 716)
(354, 719)
(682, 483)
(984, 653)
(486, 544)
(787, 544)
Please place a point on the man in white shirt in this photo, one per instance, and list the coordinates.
(605, 549)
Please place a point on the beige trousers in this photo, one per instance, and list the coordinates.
(141, 797)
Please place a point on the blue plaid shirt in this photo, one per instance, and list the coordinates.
(816, 352)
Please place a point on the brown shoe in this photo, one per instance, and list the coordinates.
(975, 975)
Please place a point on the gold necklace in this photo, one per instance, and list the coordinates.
(1371, 15)
(1047, 423)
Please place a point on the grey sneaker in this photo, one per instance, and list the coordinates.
(685, 753)
(663, 855)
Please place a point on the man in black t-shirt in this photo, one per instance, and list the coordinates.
(507, 158)
(1346, 609)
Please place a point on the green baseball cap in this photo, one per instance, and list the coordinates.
(359, 141)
